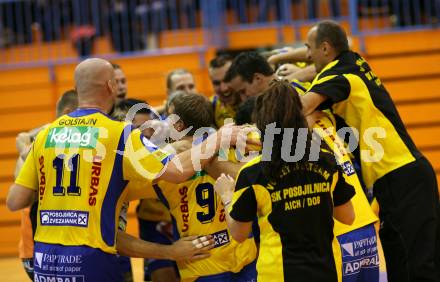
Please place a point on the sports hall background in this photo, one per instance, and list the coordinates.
(42, 41)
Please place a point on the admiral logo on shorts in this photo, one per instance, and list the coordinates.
(221, 238)
(64, 218)
(361, 254)
(40, 277)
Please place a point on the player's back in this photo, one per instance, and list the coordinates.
(80, 166)
(364, 215)
(80, 180)
(197, 210)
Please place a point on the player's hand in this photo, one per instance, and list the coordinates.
(237, 135)
(276, 58)
(157, 130)
(286, 69)
(224, 186)
(192, 248)
(23, 143)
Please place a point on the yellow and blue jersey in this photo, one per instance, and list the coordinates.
(80, 166)
(300, 87)
(222, 111)
(197, 210)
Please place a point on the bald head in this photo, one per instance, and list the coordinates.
(95, 84)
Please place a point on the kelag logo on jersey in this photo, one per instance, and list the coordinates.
(64, 218)
(72, 137)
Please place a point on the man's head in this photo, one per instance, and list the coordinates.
(95, 84)
(141, 116)
(67, 103)
(249, 74)
(325, 41)
(217, 71)
(193, 110)
(180, 79)
(244, 112)
(121, 82)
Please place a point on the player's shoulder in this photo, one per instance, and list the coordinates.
(200, 177)
(252, 163)
(347, 62)
(251, 173)
(327, 159)
(173, 189)
(41, 135)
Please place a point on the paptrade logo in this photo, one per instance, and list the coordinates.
(38, 259)
(72, 137)
(347, 249)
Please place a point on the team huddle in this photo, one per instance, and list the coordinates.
(271, 179)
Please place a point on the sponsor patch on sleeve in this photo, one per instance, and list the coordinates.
(348, 168)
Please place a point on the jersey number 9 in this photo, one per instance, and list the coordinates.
(205, 196)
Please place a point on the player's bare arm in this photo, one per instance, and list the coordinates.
(224, 187)
(216, 167)
(198, 154)
(311, 101)
(344, 213)
(306, 74)
(192, 247)
(19, 197)
(291, 56)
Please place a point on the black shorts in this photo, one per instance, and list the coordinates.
(409, 214)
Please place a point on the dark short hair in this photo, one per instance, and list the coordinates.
(220, 61)
(126, 104)
(174, 72)
(68, 99)
(247, 64)
(116, 66)
(121, 109)
(244, 112)
(194, 110)
(334, 34)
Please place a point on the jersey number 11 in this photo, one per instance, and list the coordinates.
(58, 165)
